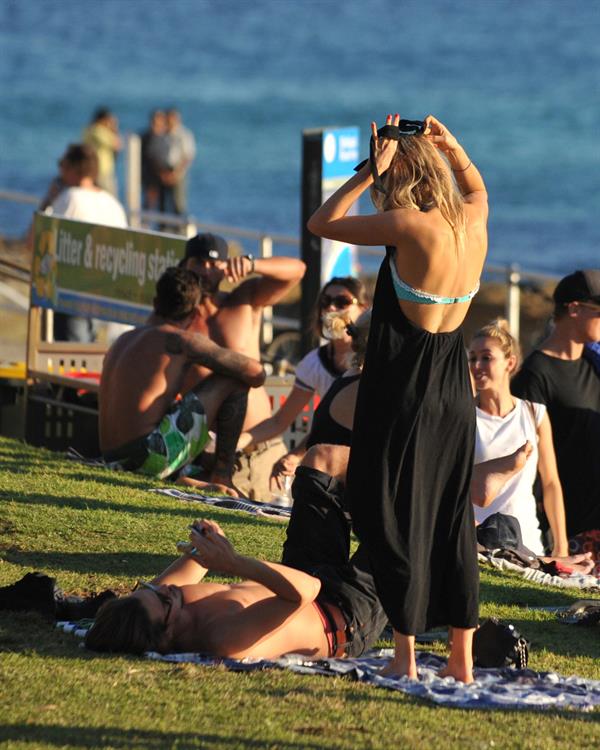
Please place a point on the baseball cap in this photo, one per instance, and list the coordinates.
(580, 286)
(206, 247)
(501, 531)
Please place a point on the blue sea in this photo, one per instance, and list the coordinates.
(518, 82)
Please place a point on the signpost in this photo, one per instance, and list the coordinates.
(328, 158)
(97, 271)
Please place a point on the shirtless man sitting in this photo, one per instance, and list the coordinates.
(145, 425)
(233, 319)
(324, 606)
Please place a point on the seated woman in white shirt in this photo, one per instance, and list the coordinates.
(340, 302)
(518, 430)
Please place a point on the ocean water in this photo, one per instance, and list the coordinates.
(517, 82)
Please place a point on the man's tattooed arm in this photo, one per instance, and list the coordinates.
(200, 350)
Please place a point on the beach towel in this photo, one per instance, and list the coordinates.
(229, 503)
(573, 581)
(504, 688)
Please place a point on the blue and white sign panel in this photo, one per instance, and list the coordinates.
(340, 155)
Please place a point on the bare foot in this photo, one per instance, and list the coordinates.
(505, 467)
(216, 487)
(224, 480)
(460, 672)
(399, 668)
(582, 563)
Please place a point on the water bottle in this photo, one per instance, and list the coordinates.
(284, 498)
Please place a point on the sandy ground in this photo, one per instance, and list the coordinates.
(488, 304)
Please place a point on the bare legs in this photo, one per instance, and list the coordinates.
(460, 661)
(403, 664)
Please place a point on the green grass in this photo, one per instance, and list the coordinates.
(92, 529)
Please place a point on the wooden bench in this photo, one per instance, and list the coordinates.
(63, 378)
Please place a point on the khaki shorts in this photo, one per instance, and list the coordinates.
(253, 470)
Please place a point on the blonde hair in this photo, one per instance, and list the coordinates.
(498, 330)
(417, 179)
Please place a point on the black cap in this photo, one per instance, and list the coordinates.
(581, 286)
(501, 531)
(206, 247)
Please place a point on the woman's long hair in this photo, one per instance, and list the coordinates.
(417, 179)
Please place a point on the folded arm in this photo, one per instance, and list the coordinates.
(215, 552)
(200, 350)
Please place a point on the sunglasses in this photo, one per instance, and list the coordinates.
(591, 306)
(164, 599)
(339, 301)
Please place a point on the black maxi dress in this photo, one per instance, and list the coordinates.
(410, 469)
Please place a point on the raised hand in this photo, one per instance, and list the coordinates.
(237, 268)
(438, 134)
(212, 548)
(384, 148)
(284, 467)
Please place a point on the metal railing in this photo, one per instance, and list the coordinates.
(511, 275)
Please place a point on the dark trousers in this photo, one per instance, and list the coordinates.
(318, 542)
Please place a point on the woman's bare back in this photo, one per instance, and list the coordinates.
(430, 262)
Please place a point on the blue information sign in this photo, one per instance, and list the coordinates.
(340, 155)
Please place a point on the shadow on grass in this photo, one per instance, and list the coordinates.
(84, 736)
(134, 564)
(184, 509)
(496, 588)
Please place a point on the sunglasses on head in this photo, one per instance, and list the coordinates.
(164, 599)
(339, 301)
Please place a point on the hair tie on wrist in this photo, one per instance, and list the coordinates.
(462, 170)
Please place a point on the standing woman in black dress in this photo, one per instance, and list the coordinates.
(414, 428)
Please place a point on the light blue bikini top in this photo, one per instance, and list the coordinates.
(410, 294)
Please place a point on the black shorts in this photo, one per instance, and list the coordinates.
(318, 542)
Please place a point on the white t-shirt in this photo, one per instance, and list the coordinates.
(93, 206)
(314, 372)
(500, 436)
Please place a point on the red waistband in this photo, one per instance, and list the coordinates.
(335, 627)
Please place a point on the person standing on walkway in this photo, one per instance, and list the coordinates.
(102, 134)
(173, 153)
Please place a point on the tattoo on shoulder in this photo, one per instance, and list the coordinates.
(173, 344)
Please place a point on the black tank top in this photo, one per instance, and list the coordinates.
(325, 429)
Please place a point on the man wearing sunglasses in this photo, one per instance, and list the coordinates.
(560, 374)
(233, 319)
(324, 606)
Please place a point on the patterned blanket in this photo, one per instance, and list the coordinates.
(230, 503)
(493, 688)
